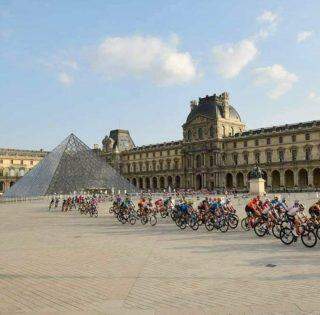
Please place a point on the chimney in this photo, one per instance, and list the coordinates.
(193, 105)
(225, 105)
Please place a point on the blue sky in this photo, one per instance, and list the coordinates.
(91, 66)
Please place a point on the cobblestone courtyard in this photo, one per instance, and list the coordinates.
(52, 262)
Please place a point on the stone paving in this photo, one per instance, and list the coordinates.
(53, 262)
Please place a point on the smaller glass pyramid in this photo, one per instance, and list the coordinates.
(71, 166)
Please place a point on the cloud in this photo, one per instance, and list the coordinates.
(268, 17)
(65, 79)
(277, 78)
(313, 96)
(230, 59)
(147, 57)
(269, 21)
(303, 36)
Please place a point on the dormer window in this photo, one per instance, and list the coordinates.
(189, 136)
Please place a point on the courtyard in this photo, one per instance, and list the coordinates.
(53, 262)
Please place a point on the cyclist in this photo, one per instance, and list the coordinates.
(314, 210)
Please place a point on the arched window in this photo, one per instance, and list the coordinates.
(232, 131)
(223, 131)
(200, 133)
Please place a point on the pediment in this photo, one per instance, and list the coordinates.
(201, 119)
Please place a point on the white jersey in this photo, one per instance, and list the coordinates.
(293, 210)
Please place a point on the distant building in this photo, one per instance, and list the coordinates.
(15, 163)
(217, 152)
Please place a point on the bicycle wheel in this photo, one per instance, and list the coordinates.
(309, 239)
(209, 225)
(153, 220)
(144, 220)
(132, 220)
(245, 224)
(195, 226)
(182, 224)
(261, 229)
(223, 226)
(164, 214)
(286, 236)
(233, 221)
(276, 229)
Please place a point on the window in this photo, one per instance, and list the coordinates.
(175, 151)
(211, 161)
(223, 157)
(168, 152)
(280, 139)
(153, 154)
(268, 140)
(200, 133)
(1, 161)
(11, 161)
(256, 142)
(211, 132)
(223, 131)
(176, 165)
(235, 159)
(281, 156)
(308, 154)
(294, 154)
(294, 138)
(1, 172)
(198, 161)
(246, 158)
(232, 131)
(307, 136)
(21, 162)
(245, 144)
(234, 144)
(161, 165)
(160, 153)
(269, 156)
(189, 162)
(189, 136)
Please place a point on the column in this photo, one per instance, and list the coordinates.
(281, 177)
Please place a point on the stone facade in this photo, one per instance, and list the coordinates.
(15, 163)
(217, 152)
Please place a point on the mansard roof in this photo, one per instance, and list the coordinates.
(19, 152)
(278, 129)
(163, 145)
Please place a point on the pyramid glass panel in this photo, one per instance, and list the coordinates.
(71, 166)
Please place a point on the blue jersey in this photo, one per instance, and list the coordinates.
(183, 208)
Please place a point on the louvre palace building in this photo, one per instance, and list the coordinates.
(217, 152)
(15, 163)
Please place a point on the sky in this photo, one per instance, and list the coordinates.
(88, 67)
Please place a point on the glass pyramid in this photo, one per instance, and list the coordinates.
(71, 166)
